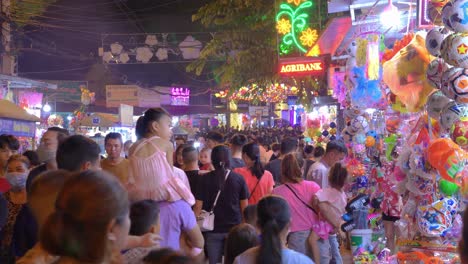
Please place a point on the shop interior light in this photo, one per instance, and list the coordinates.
(390, 17)
(47, 108)
(69, 118)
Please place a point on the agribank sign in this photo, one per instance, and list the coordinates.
(312, 66)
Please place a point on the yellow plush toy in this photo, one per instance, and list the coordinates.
(405, 74)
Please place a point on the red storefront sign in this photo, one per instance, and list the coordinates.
(313, 66)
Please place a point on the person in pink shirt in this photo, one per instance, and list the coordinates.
(259, 181)
(299, 194)
(331, 202)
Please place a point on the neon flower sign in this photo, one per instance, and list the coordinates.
(180, 96)
(292, 21)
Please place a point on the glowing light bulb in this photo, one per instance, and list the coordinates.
(47, 108)
(390, 17)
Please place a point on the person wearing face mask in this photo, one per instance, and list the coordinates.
(16, 174)
(46, 152)
(8, 146)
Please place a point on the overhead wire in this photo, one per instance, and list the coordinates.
(55, 71)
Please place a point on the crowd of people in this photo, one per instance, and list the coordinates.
(262, 196)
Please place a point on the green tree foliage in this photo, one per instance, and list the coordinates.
(243, 49)
(23, 11)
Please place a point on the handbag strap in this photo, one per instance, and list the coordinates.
(297, 196)
(253, 190)
(219, 192)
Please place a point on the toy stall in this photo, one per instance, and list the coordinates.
(406, 111)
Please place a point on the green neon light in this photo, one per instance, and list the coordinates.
(299, 21)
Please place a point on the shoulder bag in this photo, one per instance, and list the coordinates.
(206, 219)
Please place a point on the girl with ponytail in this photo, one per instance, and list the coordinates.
(259, 181)
(274, 219)
(232, 200)
(151, 161)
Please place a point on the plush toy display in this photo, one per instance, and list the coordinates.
(405, 74)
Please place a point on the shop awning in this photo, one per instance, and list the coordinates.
(100, 120)
(333, 35)
(12, 111)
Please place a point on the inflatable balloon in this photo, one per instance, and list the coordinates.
(370, 141)
(446, 50)
(458, 50)
(435, 70)
(459, 132)
(436, 218)
(451, 113)
(458, 18)
(447, 188)
(447, 158)
(434, 40)
(447, 12)
(446, 79)
(392, 123)
(436, 102)
(360, 138)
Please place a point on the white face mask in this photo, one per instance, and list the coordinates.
(17, 180)
(45, 155)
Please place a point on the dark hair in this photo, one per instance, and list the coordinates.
(238, 140)
(20, 158)
(250, 214)
(32, 157)
(337, 176)
(85, 207)
(319, 151)
(336, 145)
(113, 135)
(143, 125)
(190, 154)
(239, 239)
(143, 215)
(215, 136)
(180, 138)
(75, 151)
(273, 216)
(166, 256)
(309, 149)
(276, 147)
(62, 133)
(288, 145)
(252, 150)
(221, 160)
(9, 141)
(290, 169)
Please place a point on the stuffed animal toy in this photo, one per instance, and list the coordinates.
(405, 74)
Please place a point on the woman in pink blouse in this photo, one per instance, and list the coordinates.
(299, 194)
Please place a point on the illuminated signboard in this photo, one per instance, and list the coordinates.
(423, 15)
(296, 35)
(180, 96)
(315, 66)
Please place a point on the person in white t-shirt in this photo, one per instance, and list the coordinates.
(336, 151)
